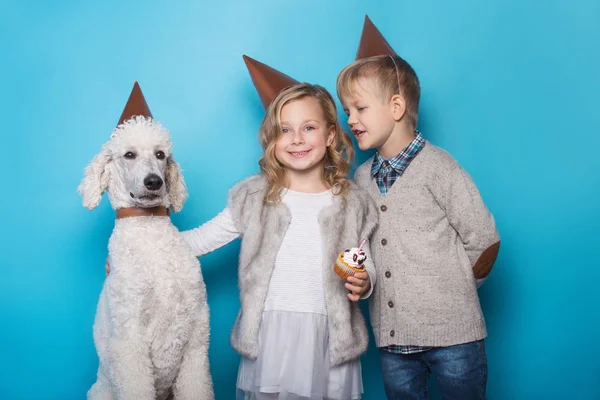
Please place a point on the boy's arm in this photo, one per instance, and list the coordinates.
(212, 235)
(474, 223)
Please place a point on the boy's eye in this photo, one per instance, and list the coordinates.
(285, 130)
(309, 128)
(360, 108)
(346, 112)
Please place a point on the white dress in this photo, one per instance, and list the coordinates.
(293, 358)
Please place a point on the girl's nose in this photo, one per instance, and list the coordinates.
(297, 137)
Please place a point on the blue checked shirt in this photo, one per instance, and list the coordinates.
(386, 172)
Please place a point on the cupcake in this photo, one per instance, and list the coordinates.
(350, 261)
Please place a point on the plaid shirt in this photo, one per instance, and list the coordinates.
(386, 172)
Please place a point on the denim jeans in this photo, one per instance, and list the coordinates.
(460, 372)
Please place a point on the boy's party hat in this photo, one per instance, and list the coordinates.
(268, 81)
(372, 42)
(136, 105)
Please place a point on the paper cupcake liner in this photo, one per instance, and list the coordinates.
(344, 270)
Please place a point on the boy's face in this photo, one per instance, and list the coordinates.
(370, 118)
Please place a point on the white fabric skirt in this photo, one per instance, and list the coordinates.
(293, 362)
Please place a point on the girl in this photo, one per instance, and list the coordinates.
(299, 335)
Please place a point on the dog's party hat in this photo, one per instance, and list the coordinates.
(372, 42)
(136, 105)
(268, 81)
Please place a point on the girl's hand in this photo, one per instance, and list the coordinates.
(107, 267)
(358, 284)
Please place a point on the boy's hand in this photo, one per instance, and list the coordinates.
(107, 267)
(358, 284)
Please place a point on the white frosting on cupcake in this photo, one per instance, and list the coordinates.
(354, 257)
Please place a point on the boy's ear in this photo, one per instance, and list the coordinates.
(398, 105)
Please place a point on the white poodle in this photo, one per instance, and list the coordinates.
(152, 322)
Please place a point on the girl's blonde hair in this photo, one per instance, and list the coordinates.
(337, 156)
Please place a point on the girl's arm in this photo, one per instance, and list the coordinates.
(370, 267)
(213, 234)
(361, 284)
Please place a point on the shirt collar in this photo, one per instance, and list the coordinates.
(401, 160)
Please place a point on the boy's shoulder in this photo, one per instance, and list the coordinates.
(437, 158)
(363, 172)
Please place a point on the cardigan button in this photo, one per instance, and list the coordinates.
(383, 208)
(383, 242)
(388, 274)
(391, 304)
(392, 333)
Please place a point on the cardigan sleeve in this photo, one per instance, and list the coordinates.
(370, 267)
(472, 220)
(370, 223)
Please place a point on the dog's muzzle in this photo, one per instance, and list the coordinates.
(153, 182)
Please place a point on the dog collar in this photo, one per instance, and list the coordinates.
(159, 211)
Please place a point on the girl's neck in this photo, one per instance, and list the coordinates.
(306, 181)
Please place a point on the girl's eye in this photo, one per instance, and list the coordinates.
(160, 155)
(309, 128)
(129, 155)
(360, 108)
(285, 130)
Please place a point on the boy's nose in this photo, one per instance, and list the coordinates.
(352, 119)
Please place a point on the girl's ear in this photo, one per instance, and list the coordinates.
(331, 135)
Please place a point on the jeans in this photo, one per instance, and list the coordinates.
(460, 372)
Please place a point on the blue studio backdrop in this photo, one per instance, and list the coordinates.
(508, 87)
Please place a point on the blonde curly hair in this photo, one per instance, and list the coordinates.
(337, 157)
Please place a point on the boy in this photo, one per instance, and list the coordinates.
(435, 244)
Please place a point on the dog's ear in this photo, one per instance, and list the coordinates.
(95, 180)
(176, 185)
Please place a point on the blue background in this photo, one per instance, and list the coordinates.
(509, 88)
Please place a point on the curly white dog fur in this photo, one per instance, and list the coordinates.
(152, 322)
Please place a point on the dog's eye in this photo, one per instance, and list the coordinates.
(129, 155)
(160, 155)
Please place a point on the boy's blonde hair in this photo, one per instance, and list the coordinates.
(337, 157)
(392, 75)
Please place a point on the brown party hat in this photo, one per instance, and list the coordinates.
(372, 42)
(268, 81)
(136, 105)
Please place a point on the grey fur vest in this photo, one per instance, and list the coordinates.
(344, 224)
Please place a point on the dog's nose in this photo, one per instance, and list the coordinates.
(153, 182)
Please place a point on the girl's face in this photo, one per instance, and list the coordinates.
(304, 137)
